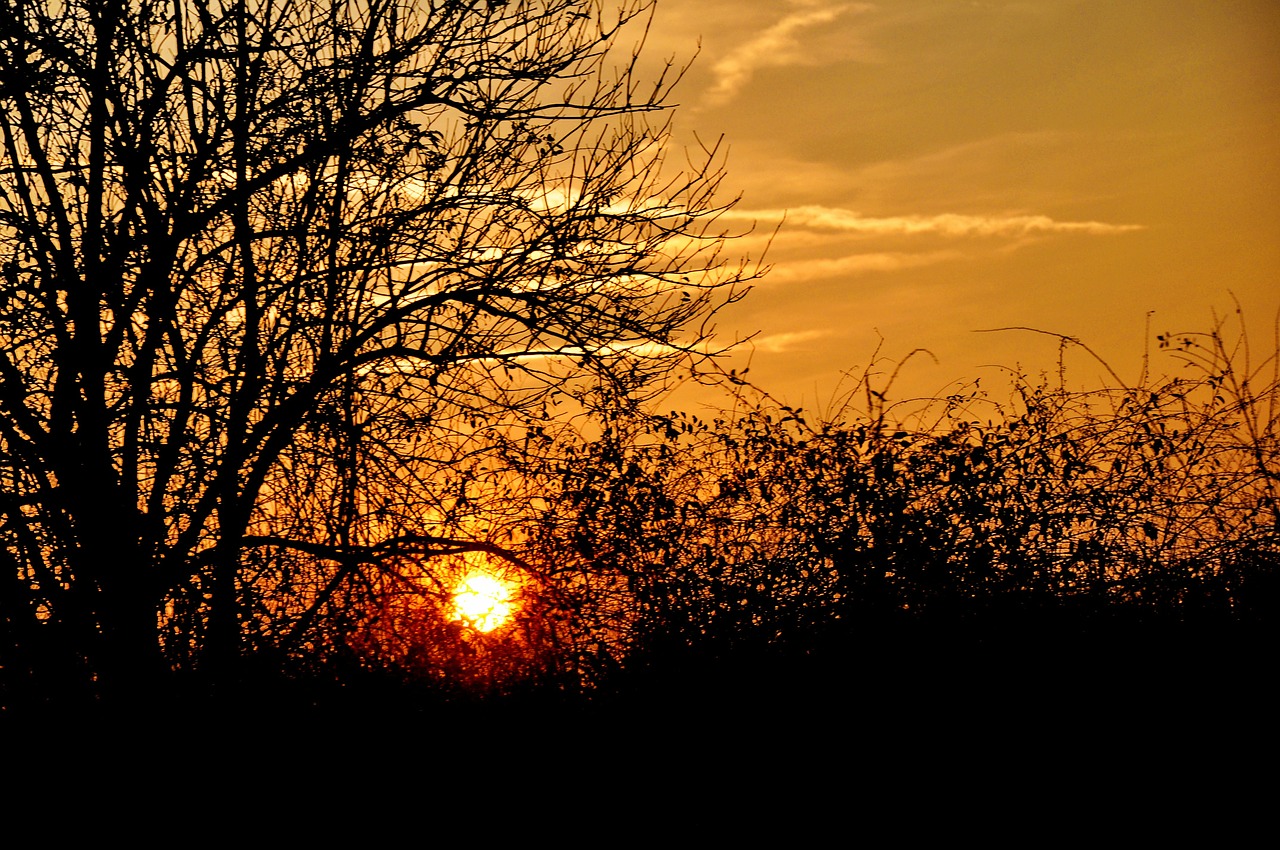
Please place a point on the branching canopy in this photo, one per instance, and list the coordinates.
(273, 269)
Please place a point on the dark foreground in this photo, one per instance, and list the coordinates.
(1011, 684)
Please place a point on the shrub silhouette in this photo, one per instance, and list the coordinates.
(1078, 519)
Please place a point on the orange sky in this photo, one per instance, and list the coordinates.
(950, 165)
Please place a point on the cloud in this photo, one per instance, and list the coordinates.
(776, 47)
(856, 264)
(945, 224)
(780, 342)
(638, 350)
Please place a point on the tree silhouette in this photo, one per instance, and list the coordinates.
(279, 274)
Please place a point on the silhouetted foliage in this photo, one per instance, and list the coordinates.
(1059, 518)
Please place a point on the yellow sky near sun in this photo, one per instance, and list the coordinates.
(947, 166)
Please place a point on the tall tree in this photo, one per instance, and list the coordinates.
(275, 271)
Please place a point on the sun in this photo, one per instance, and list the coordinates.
(482, 601)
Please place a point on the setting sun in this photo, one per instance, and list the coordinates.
(482, 602)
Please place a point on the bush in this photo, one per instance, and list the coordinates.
(1057, 516)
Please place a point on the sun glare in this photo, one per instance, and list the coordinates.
(482, 602)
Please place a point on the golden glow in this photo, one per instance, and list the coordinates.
(482, 602)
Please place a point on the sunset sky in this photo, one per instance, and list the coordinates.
(948, 166)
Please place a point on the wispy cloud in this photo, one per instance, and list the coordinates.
(945, 224)
(637, 350)
(856, 264)
(780, 342)
(777, 46)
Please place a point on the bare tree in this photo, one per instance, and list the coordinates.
(275, 275)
